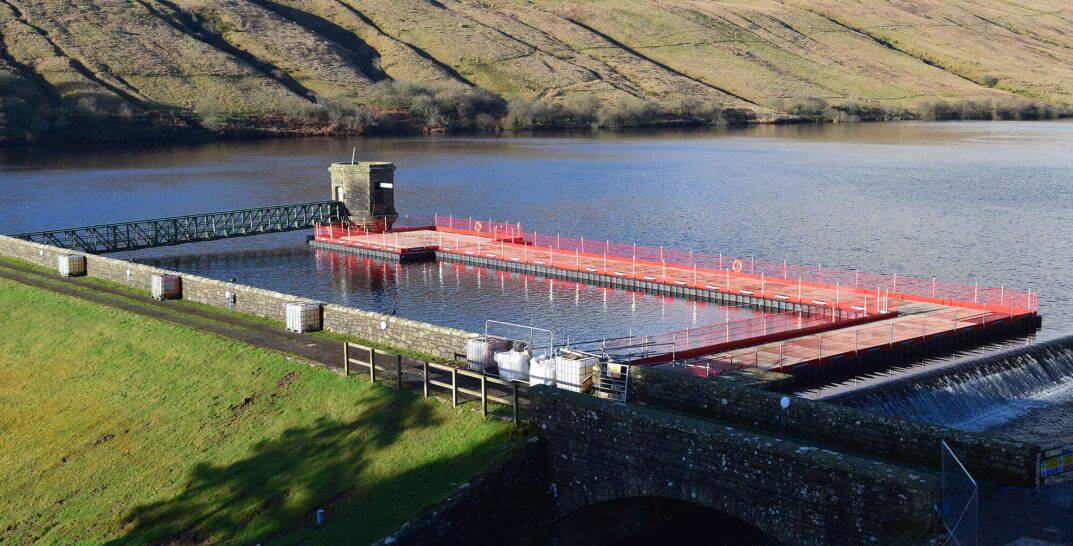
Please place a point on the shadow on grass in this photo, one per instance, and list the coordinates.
(273, 494)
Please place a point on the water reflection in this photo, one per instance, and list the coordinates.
(454, 294)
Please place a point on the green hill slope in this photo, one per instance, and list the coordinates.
(114, 68)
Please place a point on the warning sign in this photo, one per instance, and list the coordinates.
(1056, 461)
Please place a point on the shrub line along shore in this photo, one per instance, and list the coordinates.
(412, 109)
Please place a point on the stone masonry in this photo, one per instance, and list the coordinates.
(367, 189)
(600, 451)
(917, 444)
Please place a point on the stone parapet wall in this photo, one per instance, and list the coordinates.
(35, 253)
(414, 335)
(799, 493)
(988, 457)
(423, 337)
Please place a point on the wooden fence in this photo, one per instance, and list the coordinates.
(484, 388)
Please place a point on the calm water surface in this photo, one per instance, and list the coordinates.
(973, 202)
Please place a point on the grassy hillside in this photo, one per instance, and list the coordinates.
(324, 66)
(119, 428)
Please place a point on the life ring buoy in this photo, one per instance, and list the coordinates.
(737, 266)
(477, 226)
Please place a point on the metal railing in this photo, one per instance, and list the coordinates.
(816, 285)
(683, 341)
(854, 340)
(959, 507)
(210, 226)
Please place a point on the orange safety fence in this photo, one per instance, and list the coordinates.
(700, 339)
(844, 342)
(810, 285)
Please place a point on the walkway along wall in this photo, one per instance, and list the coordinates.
(414, 335)
(917, 444)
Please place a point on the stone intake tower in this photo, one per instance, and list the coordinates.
(367, 189)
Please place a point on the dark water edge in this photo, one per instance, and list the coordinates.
(105, 132)
(176, 127)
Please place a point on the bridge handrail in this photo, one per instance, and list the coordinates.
(169, 218)
(960, 499)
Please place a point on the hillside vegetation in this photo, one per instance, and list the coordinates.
(126, 68)
(116, 428)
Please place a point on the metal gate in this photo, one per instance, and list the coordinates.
(613, 381)
(960, 502)
(539, 340)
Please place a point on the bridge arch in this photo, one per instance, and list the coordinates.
(608, 489)
(652, 519)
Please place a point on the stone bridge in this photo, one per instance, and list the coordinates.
(812, 473)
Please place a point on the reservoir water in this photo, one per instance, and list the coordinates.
(968, 201)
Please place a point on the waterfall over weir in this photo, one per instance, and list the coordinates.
(980, 394)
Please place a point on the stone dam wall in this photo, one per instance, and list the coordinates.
(600, 451)
(594, 452)
(917, 444)
(419, 336)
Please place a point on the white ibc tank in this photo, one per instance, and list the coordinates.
(166, 287)
(302, 316)
(480, 351)
(71, 265)
(542, 371)
(514, 364)
(573, 372)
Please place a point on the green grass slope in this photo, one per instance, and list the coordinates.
(313, 66)
(118, 428)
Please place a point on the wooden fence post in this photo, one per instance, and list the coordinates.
(484, 396)
(346, 359)
(372, 365)
(454, 387)
(398, 371)
(514, 400)
(424, 369)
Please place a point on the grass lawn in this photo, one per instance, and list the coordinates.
(119, 428)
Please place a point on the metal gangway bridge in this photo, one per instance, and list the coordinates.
(193, 228)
